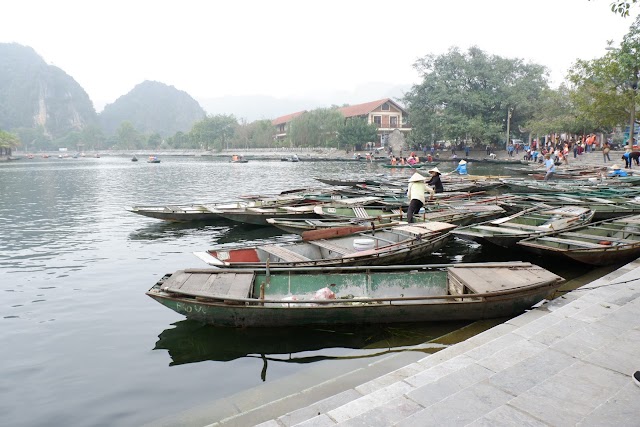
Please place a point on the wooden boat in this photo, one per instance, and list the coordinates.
(506, 232)
(565, 186)
(408, 166)
(601, 243)
(354, 295)
(299, 226)
(202, 213)
(238, 159)
(292, 158)
(602, 208)
(403, 243)
(346, 182)
(259, 215)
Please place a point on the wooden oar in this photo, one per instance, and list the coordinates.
(509, 218)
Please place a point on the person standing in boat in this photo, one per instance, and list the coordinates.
(462, 168)
(415, 193)
(435, 181)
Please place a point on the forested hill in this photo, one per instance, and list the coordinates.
(153, 107)
(33, 94)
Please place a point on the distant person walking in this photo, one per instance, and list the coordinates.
(550, 166)
(605, 151)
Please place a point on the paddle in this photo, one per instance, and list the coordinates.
(509, 218)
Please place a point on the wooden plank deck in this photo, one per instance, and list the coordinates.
(331, 246)
(481, 280)
(284, 253)
(219, 286)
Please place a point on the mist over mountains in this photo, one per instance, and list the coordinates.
(39, 100)
(259, 107)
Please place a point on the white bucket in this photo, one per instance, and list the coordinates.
(364, 244)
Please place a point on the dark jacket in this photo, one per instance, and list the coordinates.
(436, 183)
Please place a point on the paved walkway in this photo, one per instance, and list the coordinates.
(565, 363)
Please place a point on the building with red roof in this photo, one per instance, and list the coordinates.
(386, 114)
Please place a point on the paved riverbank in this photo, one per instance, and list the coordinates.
(567, 362)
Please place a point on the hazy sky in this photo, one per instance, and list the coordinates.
(294, 48)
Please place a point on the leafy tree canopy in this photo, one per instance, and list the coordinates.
(316, 128)
(469, 95)
(355, 132)
(605, 89)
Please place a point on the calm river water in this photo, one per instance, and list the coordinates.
(82, 345)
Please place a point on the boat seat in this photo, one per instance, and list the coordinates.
(360, 212)
(331, 246)
(284, 253)
(573, 242)
(599, 238)
(504, 230)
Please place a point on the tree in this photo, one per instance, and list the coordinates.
(214, 132)
(468, 96)
(128, 138)
(606, 89)
(8, 142)
(557, 112)
(258, 134)
(622, 7)
(316, 128)
(355, 132)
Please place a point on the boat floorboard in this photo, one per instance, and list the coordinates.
(284, 253)
(482, 280)
(331, 246)
(232, 285)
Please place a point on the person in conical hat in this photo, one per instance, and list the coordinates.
(415, 194)
(617, 171)
(462, 168)
(417, 177)
(435, 181)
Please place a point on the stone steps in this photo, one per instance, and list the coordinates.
(549, 366)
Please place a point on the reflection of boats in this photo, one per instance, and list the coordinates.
(602, 243)
(354, 295)
(193, 342)
(153, 159)
(403, 243)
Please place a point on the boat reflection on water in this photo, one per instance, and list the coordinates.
(223, 233)
(192, 342)
(169, 231)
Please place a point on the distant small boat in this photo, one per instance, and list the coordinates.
(153, 159)
(238, 159)
(97, 155)
(292, 158)
(134, 159)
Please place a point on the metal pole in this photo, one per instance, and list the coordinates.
(508, 125)
(632, 121)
